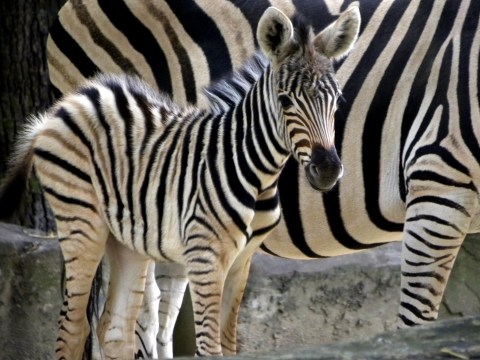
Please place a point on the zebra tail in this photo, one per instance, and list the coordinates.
(93, 311)
(15, 184)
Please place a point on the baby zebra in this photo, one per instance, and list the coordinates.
(128, 172)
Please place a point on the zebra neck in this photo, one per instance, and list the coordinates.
(253, 130)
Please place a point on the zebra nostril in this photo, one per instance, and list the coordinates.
(314, 170)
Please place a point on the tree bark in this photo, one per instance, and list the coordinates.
(24, 84)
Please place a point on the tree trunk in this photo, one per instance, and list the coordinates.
(24, 84)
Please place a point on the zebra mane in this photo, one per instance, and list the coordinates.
(229, 91)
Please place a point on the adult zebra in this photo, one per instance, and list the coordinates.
(407, 135)
(125, 169)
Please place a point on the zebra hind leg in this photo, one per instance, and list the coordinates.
(172, 280)
(147, 324)
(160, 310)
(82, 243)
(128, 272)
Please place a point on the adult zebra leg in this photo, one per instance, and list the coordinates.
(128, 271)
(436, 225)
(82, 243)
(147, 322)
(172, 281)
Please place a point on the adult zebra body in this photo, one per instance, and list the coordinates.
(408, 135)
(125, 169)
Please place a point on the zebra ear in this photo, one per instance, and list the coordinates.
(274, 33)
(340, 36)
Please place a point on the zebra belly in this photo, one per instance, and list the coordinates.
(319, 244)
(143, 235)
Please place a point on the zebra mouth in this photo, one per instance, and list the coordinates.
(322, 189)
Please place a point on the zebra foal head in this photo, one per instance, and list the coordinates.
(306, 87)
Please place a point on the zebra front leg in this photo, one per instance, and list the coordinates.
(207, 266)
(435, 228)
(172, 281)
(206, 293)
(128, 271)
(263, 222)
(232, 297)
(147, 321)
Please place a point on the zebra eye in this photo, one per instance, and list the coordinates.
(285, 101)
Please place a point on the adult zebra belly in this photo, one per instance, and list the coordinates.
(345, 220)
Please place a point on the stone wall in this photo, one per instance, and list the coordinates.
(30, 298)
(350, 297)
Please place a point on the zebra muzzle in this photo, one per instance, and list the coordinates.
(324, 169)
